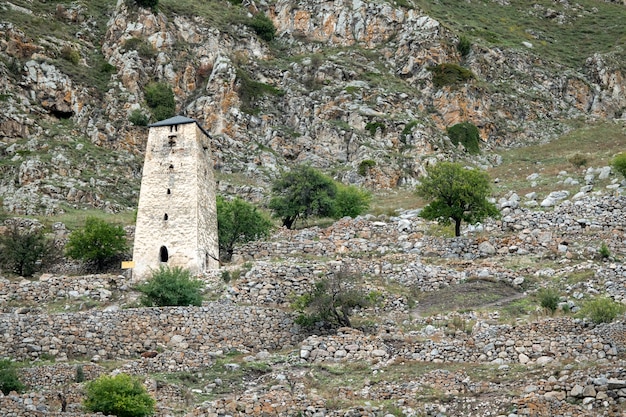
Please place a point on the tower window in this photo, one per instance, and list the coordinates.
(165, 216)
(163, 255)
(171, 167)
(169, 191)
(171, 141)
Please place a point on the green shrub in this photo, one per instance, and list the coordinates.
(464, 46)
(148, 4)
(120, 395)
(9, 380)
(25, 252)
(365, 165)
(171, 287)
(351, 201)
(619, 163)
(250, 89)
(604, 251)
(80, 374)
(98, 242)
(549, 299)
(70, 54)
(466, 134)
(602, 310)
(449, 74)
(137, 118)
(143, 48)
(263, 26)
(372, 127)
(578, 160)
(160, 99)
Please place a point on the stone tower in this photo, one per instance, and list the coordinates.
(176, 217)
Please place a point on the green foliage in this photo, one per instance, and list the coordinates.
(604, 251)
(619, 163)
(372, 127)
(148, 4)
(9, 380)
(239, 222)
(331, 301)
(143, 48)
(80, 374)
(171, 287)
(121, 395)
(449, 74)
(160, 99)
(351, 201)
(549, 299)
(464, 46)
(249, 90)
(137, 118)
(301, 193)
(602, 310)
(70, 54)
(365, 165)
(98, 242)
(263, 26)
(466, 134)
(578, 160)
(25, 252)
(457, 194)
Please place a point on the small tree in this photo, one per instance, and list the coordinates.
(171, 287)
(331, 300)
(456, 194)
(24, 252)
(239, 222)
(120, 395)
(98, 242)
(160, 99)
(351, 201)
(9, 380)
(263, 26)
(619, 163)
(301, 193)
(467, 134)
(148, 4)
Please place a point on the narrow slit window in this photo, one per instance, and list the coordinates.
(165, 216)
(163, 254)
(169, 191)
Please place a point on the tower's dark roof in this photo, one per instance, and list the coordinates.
(178, 120)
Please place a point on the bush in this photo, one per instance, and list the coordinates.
(619, 163)
(249, 90)
(331, 301)
(449, 74)
(549, 299)
(143, 48)
(365, 166)
(137, 118)
(148, 4)
(263, 26)
(372, 127)
(602, 310)
(466, 134)
(9, 380)
(160, 99)
(578, 160)
(120, 395)
(464, 46)
(604, 251)
(239, 222)
(25, 252)
(70, 54)
(98, 242)
(171, 287)
(351, 201)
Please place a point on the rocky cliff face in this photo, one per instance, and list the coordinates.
(351, 82)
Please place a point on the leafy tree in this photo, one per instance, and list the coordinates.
(9, 380)
(238, 222)
(98, 242)
(160, 99)
(456, 194)
(301, 193)
(120, 395)
(148, 4)
(171, 287)
(331, 301)
(24, 252)
(351, 201)
(619, 163)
